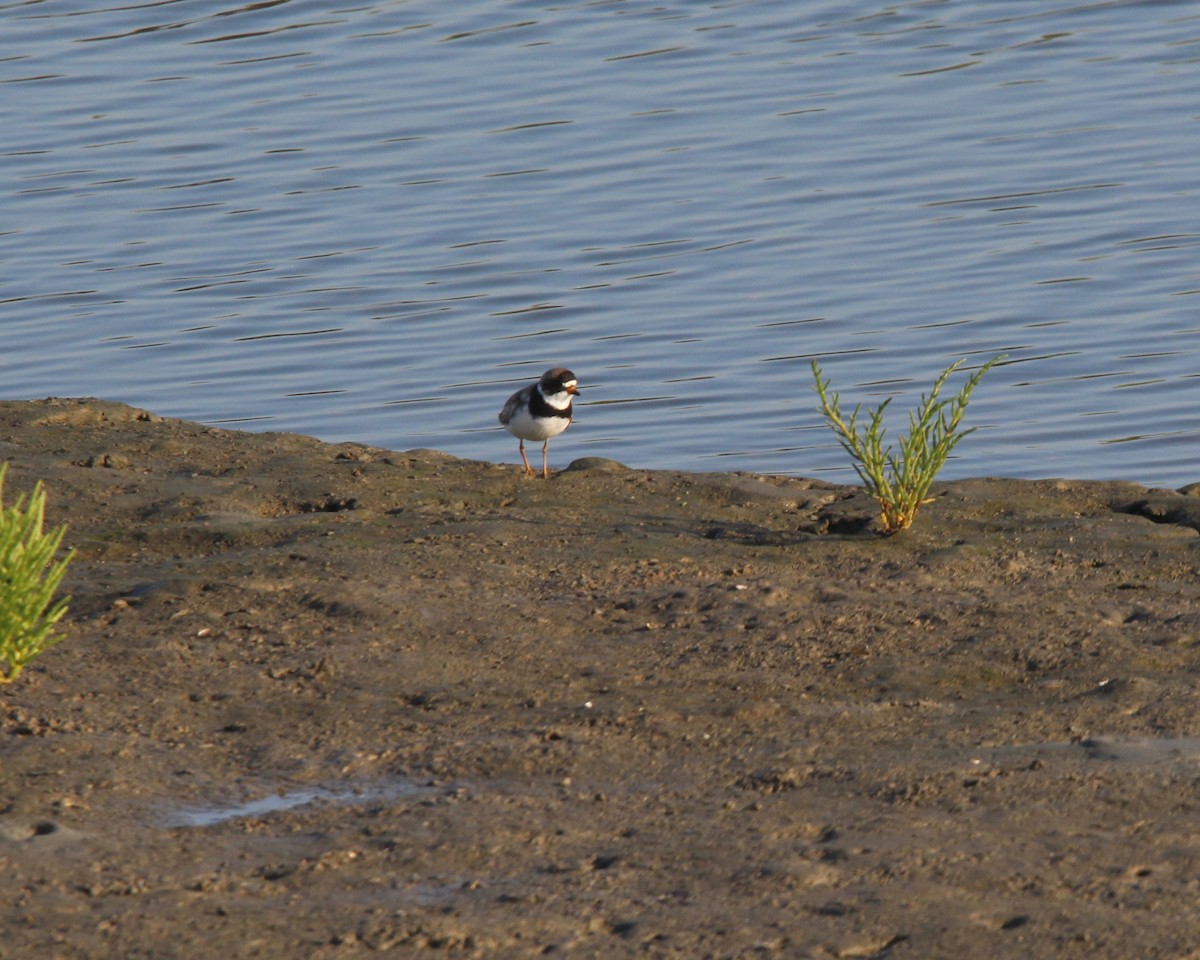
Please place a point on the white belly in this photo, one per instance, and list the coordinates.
(528, 428)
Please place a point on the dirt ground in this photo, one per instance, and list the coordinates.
(328, 701)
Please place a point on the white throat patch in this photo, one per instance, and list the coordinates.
(560, 400)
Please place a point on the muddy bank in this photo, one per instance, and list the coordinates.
(329, 700)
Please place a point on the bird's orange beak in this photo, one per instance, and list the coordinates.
(572, 389)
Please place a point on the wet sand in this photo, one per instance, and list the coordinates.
(329, 700)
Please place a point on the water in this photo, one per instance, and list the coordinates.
(374, 221)
(1139, 754)
(290, 799)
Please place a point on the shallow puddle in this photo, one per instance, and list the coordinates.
(1134, 751)
(290, 799)
(1141, 750)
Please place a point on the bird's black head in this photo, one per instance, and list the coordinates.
(558, 380)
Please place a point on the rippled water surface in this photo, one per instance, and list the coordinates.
(374, 221)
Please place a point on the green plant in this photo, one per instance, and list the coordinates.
(901, 482)
(27, 619)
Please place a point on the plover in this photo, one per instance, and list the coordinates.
(540, 411)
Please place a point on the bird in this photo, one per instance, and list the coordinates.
(540, 411)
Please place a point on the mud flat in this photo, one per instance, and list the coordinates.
(324, 701)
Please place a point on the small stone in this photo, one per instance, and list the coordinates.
(595, 465)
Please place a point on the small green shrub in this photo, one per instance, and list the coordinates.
(27, 619)
(901, 482)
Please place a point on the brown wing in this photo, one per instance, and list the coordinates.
(514, 403)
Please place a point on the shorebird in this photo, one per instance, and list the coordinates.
(540, 411)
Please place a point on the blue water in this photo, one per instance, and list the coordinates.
(374, 221)
(285, 799)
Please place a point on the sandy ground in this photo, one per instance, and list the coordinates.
(325, 701)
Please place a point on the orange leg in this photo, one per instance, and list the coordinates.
(525, 459)
(545, 467)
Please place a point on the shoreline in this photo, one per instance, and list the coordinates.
(620, 712)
